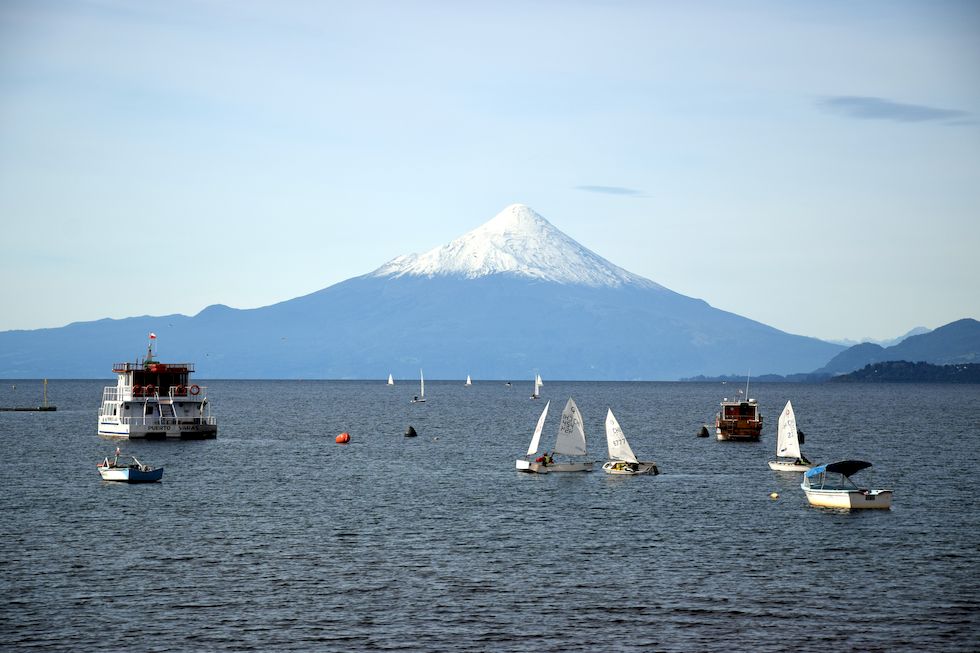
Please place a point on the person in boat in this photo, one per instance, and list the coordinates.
(802, 460)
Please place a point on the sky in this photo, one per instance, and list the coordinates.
(814, 166)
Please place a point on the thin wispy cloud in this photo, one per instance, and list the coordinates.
(612, 190)
(875, 108)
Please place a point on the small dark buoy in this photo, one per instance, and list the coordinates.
(343, 438)
(703, 433)
(410, 432)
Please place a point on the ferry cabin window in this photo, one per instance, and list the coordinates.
(148, 409)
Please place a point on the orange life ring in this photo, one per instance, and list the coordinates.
(195, 389)
(150, 390)
(137, 390)
(180, 391)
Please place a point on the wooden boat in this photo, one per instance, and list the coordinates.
(788, 441)
(570, 442)
(739, 419)
(830, 486)
(623, 459)
(128, 470)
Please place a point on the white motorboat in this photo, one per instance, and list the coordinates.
(830, 486)
(420, 397)
(788, 441)
(156, 400)
(623, 459)
(128, 470)
(570, 444)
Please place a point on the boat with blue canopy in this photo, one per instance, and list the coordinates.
(830, 486)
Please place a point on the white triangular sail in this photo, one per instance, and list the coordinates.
(537, 385)
(619, 448)
(391, 380)
(571, 431)
(787, 439)
(536, 438)
(421, 386)
(469, 381)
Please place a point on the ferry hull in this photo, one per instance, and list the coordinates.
(158, 431)
(849, 499)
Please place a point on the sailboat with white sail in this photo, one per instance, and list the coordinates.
(391, 380)
(788, 441)
(623, 459)
(570, 443)
(420, 397)
(537, 387)
(469, 381)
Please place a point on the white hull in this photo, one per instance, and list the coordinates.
(156, 430)
(130, 475)
(617, 467)
(849, 499)
(788, 466)
(532, 467)
(723, 436)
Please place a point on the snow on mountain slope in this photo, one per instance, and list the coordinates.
(520, 242)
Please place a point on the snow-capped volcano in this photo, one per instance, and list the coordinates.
(517, 241)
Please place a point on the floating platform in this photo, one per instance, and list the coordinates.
(28, 408)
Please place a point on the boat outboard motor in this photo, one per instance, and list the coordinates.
(703, 433)
(410, 432)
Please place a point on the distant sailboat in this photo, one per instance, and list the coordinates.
(789, 457)
(537, 386)
(469, 381)
(391, 381)
(570, 442)
(421, 396)
(623, 459)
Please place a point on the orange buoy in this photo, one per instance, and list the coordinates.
(343, 438)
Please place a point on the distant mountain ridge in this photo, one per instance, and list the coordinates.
(954, 343)
(512, 297)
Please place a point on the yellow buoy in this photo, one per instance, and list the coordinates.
(773, 495)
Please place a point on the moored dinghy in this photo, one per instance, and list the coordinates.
(570, 442)
(788, 444)
(830, 486)
(623, 459)
(128, 471)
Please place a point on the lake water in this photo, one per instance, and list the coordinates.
(274, 537)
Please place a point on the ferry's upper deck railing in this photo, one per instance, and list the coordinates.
(192, 392)
(152, 367)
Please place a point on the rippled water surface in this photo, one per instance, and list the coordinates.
(274, 537)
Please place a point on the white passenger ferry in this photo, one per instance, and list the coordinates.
(156, 400)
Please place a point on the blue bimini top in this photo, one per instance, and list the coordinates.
(845, 467)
